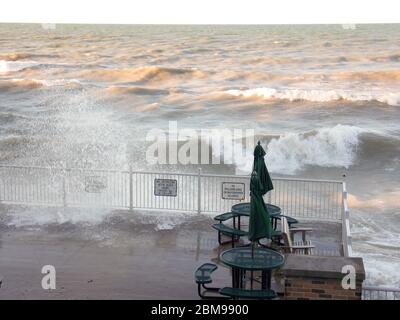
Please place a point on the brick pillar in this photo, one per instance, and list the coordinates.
(317, 277)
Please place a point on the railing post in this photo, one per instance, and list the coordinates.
(199, 191)
(346, 232)
(344, 240)
(130, 188)
(64, 186)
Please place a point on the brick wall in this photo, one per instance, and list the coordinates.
(318, 277)
(299, 288)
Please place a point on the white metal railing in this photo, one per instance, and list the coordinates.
(196, 192)
(380, 293)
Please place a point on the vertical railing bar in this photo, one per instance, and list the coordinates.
(326, 209)
(39, 187)
(180, 202)
(146, 189)
(163, 202)
(18, 188)
(296, 193)
(149, 193)
(320, 202)
(136, 203)
(333, 204)
(158, 201)
(140, 204)
(288, 196)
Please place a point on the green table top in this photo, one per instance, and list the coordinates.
(244, 209)
(263, 259)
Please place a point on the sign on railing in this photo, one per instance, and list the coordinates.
(165, 187)
(233, 191)
(95, 184)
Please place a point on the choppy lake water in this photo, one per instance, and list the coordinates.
(323, 100)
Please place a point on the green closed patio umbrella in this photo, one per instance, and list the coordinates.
(259, 222)
(261, 169)
(260, 225)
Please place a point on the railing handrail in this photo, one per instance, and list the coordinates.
(272, 177)
(64, 168)
(195, 174)
(381, 288)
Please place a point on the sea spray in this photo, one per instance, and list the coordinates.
(326, 147)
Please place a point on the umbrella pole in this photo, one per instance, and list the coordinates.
(252, 257)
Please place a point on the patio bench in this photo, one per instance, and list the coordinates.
(276, 238)
(289, 220)
(231, 215)
(228, 231)
(247, 294)
(202, 277)
(225, 216)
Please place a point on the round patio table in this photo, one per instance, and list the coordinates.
(241, 259)
(243, 208)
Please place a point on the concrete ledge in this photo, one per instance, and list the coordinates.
(321, 266)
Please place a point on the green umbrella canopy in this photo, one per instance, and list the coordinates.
(261, 169)
(259, 222)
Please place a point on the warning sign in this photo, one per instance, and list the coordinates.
(165, 187)
(233, 191)
(95, 184)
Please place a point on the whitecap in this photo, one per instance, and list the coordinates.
(318, 95)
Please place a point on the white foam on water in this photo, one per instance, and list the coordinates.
(377, 241)
(13, 66)
(59, 82)
(327, 147)
(317, 95)
(49, 82)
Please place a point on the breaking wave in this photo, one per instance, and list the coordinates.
(326, 147)
(290, 153)
(13, 66)
(15, 84)
(7, 117)
(385, 77)
(31, 84)
(10, 141)
(15, 56)
(136, 90)
(390, 98)
(144, 74)
(382, 75)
